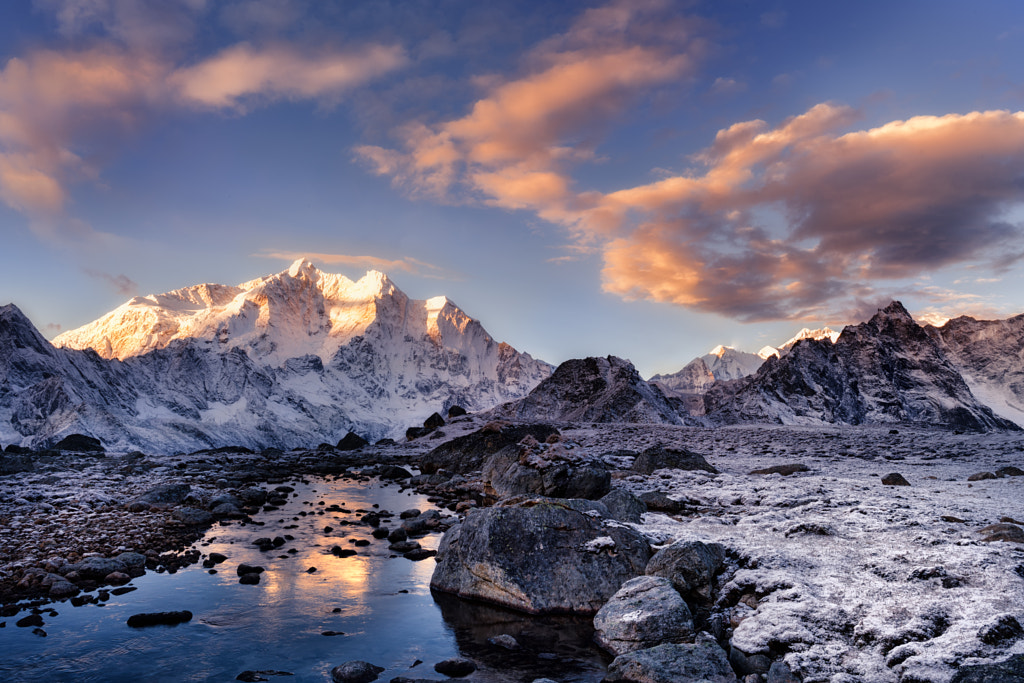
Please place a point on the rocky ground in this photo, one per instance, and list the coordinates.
(826, 568)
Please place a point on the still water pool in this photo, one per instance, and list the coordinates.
(380, 603)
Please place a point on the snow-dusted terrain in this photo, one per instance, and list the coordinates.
(286, 360)
(849, 579)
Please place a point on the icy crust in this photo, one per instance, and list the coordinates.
(855, 581)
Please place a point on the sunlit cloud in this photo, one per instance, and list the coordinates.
(406, 264)
(120, 283)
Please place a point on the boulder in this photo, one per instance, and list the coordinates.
(659, 501)
(456, 411)
(192, 516)
(981, 476)
(394, 472)
(1010, 533)
(784, 470)
(355, 672)
(1008, 471)
(1007, 671)
(538, 556)
(519, 470)
(79, 443)
(455, 667)
(644, 612)
(691, 566)
(624, 506)
(351, 442)
(467, 453)
(700, 662)
(162, 496)
(895, 479)
(661, 458)
(435, 421)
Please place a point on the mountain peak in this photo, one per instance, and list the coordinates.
(895, 309)
(303, 267)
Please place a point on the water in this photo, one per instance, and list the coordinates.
(381, 604)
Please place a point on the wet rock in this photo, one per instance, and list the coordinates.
(30, 620)
(419, 554)
(398, 535)
(456, 666)
(79, 443)
(659, 501)
(338, 551)
(351, 442)
(392, 472)
(1008, 671)
(251, 676)
(62, 589)
(192, 516)
(117, 578)
(703, 661)
(538, 556)
(505, 641)
(404, 546)
(468, 452)
(895, 479)
(355, 672)
(784, 470)
(249, 569)
(227, 511)
(624, 506)
(249, 579)
(409, 514)
(981, 476)
(517, 471)
(217, 558)
(644, 612)
(660, 458)
(159, 618)
(691, 566)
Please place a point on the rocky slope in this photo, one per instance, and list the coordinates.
(279, 361)
(887, 370)
(990, 356)
(593, 390)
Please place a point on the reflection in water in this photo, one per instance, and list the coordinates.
(561, 647)
(381, 603)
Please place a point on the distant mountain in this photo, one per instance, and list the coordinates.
(593, 390)
(990, 356)
(887, 370)
(290, 359)
(725, 363)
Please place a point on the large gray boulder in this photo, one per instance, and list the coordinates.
(468, 453)
(661, 458)
(545, 470)
(691, 566)
(539, 556)
(644, 612)
(700, 662)
(624, 506)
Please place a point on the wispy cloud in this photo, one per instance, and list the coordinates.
(406, 264)
(120, 283)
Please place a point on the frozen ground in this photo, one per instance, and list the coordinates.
(855, 580)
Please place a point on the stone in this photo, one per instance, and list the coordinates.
(435, 421)
(249, 579)
(1004, 631)
(659, 501)
(391, 472)
(1010, 533)
(701, 662)
(1010, 471)
(505, 641)
(12, 464)
(192, 516)
(467, 453)
(981, 476)
(30, 620)
(784, 470)
(779, 672)
(355, 672)
(227, 510)
(1007, 671)
(159, 619)
(538, 556)
(644, 612)
(79, 443)
(508, 473)
(895, 479)
(456, 411)
(419, 554)
(456, 666)
(162, 496)
(249, 569)
(351, 442)
(661, 458)
(691, 566)
(745, 665)
(624, 506)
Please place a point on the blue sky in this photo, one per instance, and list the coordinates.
(644, 179)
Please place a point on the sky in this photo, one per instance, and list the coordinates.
(647, 179)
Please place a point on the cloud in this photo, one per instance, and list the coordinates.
(512, 149)
(797, 220)
(727, 86)
(243, 73)
(149, 25)
(406, 264)
(120, 283)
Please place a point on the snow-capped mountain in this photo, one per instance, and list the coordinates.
(593, 390)
(724, 363)
(990, 356)
(887, 370)
(285, 360)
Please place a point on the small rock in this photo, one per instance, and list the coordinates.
(351, 442)
(895, 479)
(780, 673)
(159, 618)
(30, 620)
(1010, 471)
(456, 666)
(981, 476)
(784, 470)
(660, 502)
(249, 569)
(1005, 630)
(355, 672)
(1002, 532)
(504, 640)
(249, 579)
(419, 554)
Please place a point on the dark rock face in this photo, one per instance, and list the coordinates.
(164, 495)
(887, 370)
(702, 661)
(539, 556)
(661, 458)
(467, 453)
(624, 506)
(1009, 671)
(594, 390)
(644, 612)
(12, 464)
(435, 421)
(351, 442)
(79, 443)
(521, 470)
(691, 566)
(456, 411)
